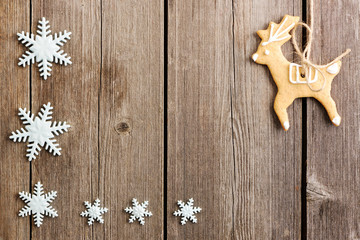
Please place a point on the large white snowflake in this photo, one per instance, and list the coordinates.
(44, 48)
(39, 131)
(187, 211)
(38, 204)
(94, 212)
(138, 211)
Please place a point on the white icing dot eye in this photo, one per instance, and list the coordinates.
(267, 52)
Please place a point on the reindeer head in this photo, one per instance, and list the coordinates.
(273, 38)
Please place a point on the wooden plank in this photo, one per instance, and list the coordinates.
(267, 181)
(14, 93)
(73, 91)
(131, 116)
(200, 157)
(226, 147)
(333, 152)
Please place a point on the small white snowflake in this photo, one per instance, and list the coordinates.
(44, 48)
(138, 211)
(38, 204)
(187, 211)
(40, 131)
(94, 212)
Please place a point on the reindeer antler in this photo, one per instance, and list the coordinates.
(278, 32)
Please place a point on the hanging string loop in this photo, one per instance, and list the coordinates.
(306, 63)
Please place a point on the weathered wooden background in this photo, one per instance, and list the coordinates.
(165, 104)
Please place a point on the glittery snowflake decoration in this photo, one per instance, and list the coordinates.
(44, 48)
(94, 212)
(138, 211)
(38, 204)
(39, 131)
(187, 211)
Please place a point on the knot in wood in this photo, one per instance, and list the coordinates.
(122, 128)
(315, 191)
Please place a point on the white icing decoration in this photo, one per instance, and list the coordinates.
(337, 120)
(286, 125)
(298, 80)
(333, 69)
(276, 37)
(267, 52)
(255, 56)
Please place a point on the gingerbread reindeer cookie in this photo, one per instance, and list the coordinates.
(294, 80)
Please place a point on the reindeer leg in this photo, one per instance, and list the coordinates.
(330, 106)
(280, 105)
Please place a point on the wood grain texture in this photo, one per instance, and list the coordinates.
(112, 96)
(226, 147)
(73, 91)
(200, 157)
(333, 152)
(132, 116)
(14, 92)
(267, 160)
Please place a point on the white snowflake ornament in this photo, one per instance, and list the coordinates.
(39, 131)
(138, 211)
(44, 48)
(38, 204)
(94, 212)
(187, 211)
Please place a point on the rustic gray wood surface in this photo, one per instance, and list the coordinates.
(14, 92)
(226, 147)
(267, 161)
(165, 104)
(131, 116)
(73, 91)
(333, 162)
(200, 150)
(112, 96)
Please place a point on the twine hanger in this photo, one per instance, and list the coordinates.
(305, 55)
